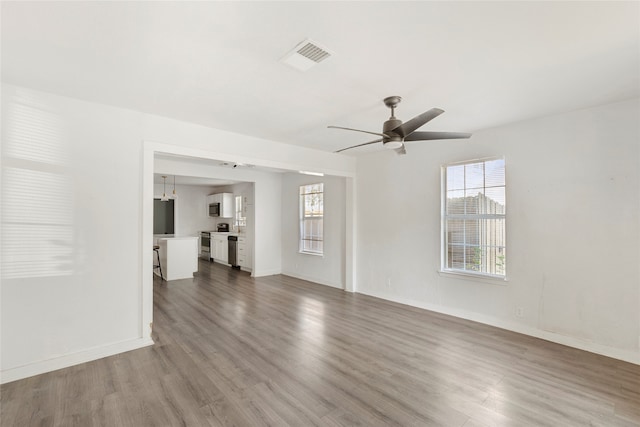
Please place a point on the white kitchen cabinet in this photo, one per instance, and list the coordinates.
(220, 247)
(244, 253)
(227, 205)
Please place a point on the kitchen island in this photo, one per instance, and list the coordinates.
(178, 256)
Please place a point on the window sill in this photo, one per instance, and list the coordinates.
(494, 280)
(311, 253)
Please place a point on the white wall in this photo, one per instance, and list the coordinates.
(573, 199)
(190, 208)
(328, 269)
(70, 289)
(73, 291)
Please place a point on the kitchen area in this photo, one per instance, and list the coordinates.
(201, 219)
(224, 245)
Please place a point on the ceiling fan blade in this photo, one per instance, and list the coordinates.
(429, 136)
(413, 124)
(400, 150)
(359, 145)
(358, 130)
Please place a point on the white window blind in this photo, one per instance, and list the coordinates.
(474, 217)
(311, 218)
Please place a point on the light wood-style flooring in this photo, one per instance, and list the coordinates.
(235, 351)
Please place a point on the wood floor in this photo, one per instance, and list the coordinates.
(235, 351)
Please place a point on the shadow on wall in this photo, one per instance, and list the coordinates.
(37, 193)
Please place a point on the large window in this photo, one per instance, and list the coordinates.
(474, 216)
(311, 218)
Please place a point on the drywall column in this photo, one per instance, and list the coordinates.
(350, 235)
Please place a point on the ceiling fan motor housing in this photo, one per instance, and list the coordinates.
(393, 140)
(390, 125)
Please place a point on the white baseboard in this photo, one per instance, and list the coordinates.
(260, 273)
(40, 367)
(616, 353)
(311, 279)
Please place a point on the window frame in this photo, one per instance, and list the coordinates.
(302, 218)
(239, 219)
(444, 243)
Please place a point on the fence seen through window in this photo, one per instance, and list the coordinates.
(474, 237)
(311, 218)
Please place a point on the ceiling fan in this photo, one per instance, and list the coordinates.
(395, 133)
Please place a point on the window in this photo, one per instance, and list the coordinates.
(311, 218)
(474, 216)
(239, 219)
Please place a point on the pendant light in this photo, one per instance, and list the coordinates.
(164, 197)
(174, 195)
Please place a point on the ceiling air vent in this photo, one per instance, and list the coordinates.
(305, 55)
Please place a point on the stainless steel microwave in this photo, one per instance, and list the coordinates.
(214, 209)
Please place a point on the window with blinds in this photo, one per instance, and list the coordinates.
(311, 218)
(474, 217)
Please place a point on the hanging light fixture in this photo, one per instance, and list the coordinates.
(164, 197)
(174, 195)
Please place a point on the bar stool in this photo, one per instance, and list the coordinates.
(156, 249)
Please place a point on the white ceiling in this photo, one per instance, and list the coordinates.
(217, 63)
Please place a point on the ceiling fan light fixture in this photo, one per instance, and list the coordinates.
(392, 144)
(164, 197)
(174, 195)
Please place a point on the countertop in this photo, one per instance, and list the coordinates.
(172, 236)
(225, 233)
